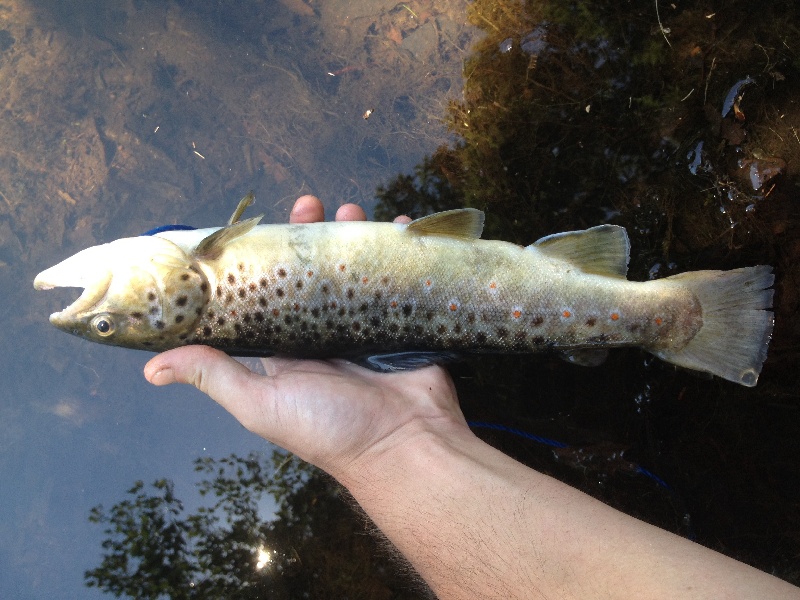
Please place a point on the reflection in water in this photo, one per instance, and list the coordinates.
(120, 116)
(315, 547)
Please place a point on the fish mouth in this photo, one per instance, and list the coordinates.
(94, 291)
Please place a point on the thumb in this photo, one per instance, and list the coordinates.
(212, 372)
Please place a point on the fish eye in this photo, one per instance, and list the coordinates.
(103, 325)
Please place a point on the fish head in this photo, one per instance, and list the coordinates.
(144, 292)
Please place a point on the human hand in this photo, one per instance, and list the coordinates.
(331, 413)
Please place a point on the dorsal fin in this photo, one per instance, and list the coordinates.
(460, 223)
(213, 245)
(602, 250)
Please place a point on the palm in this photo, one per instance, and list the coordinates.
(330, 412)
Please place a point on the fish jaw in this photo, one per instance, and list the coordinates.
(142, 292)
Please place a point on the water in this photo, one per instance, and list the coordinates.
(121, 116)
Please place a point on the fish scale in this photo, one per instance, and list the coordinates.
(395, 296)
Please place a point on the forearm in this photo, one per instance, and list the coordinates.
(477, 524)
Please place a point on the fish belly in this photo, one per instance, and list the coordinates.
(356, 291)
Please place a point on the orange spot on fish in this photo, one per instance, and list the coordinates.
(275, 312)
(393, 303)
(342, 268)
(428, 282)
(453, 305)
(614, 316)
(309, 273)
(493, 285)
(364, 279)
(566, 314)
(517, 314)
(659, 321)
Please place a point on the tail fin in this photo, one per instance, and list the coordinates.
(732, 343)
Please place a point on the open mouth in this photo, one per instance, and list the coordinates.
(61, 277)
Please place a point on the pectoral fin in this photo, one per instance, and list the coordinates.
(212, 246)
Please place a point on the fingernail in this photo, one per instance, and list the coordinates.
(163, 377)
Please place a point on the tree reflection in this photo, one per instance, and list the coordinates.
(232, 547)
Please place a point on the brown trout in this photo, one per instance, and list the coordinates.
(395, 296)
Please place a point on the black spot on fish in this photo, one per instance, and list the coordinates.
(538, 340)
(262, 301)
(480, 337)
(263, 282)
(633, 327)
(219, 290)
(591, 321)
(520, 336)
(147, 344)
(292, 336)
(252, 287)
(137, 315)
(231, 278)
(394, 327)
(237, 327)
(342, 312)
(315, 335)
(159, 324)
(407, 310)
(364, 306)
(324, 288)
(183, 336)
(281, 272)
(329, 324)
(246, 317)
(240, 266)
(206, 331)
(457, 328)
(441, 330)
(378, 295)
(303, 326)
(221, 321)
(198, 311)
(179, 318)
(537, 320)
(229, 298)
(375, 321)
(598, 339)
(287, 319)
(296, 306)
(278, 329)
(242, 292)
(151, 296)
(356, 326)
(299, 285)
(429, 315)
(502, 332)
(279, 293)
(471, 318)
(182, 300)
(258, 316)
(153, 310)
(315, 312)
(185, 277)
(203, 287)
